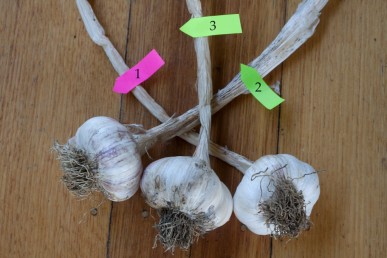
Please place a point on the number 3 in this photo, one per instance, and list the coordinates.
(213, 26)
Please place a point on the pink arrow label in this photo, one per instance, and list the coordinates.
(139, 73)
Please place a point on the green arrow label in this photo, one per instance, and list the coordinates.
(212, 25)
(258, 87)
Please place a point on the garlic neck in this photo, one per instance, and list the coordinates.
(205, 95)
(204, 85)
(195, 8)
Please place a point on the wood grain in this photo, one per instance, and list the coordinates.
(335, 119)
(53, 78)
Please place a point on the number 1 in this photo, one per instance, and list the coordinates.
(138, 73)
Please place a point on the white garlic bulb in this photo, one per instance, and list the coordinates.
(276, 196)
(186, 191)
(101, 156)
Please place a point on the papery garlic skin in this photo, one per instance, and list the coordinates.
(111, 145)
(256, 188)
(186, 183)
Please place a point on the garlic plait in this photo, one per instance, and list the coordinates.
(189, 196)
(276, 196)
(297, 30)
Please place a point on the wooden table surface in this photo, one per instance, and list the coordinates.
(53, 78)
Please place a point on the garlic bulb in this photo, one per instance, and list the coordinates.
(276, 196)
(101, 156)
(189, 197)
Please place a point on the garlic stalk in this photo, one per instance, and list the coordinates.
(296, 31)
(188, 195)
(276, 196)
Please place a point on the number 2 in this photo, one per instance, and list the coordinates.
(213, 26)
(138, 73)
(259, 86)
